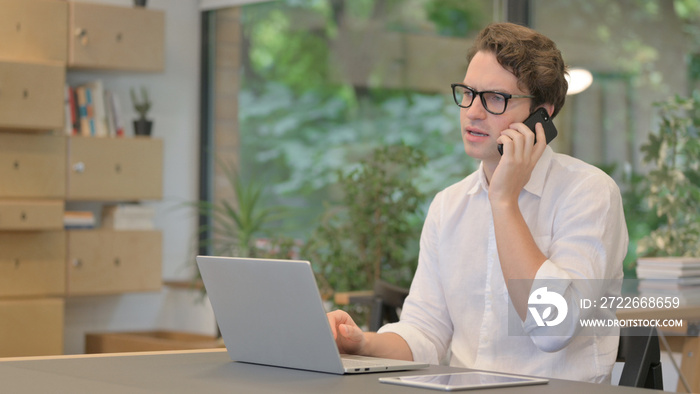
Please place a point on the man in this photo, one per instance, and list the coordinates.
(530, 214)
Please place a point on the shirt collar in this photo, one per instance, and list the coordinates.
(534, 186)
(539, 174)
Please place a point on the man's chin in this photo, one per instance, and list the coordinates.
(482, 152)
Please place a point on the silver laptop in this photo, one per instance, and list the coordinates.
(270, 312)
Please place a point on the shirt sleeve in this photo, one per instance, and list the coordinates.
(425, 322)
(588, 244)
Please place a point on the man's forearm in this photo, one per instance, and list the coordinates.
(387, 345)
(519, 254)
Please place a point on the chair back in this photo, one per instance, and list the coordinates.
(639, 349)
(387, 300)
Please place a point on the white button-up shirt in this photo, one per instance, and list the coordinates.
(458, 303)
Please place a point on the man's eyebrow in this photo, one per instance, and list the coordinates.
(497, 90)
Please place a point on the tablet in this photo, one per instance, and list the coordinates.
(463, 381)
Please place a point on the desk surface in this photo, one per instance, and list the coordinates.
(213, 372)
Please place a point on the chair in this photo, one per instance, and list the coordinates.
(386, 301)
(639, 349)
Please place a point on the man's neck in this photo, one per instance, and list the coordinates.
(489, 168)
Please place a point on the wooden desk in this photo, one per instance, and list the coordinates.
(212, 371)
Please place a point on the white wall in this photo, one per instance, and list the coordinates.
(175, 111)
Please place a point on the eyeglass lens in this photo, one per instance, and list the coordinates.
(493, 102)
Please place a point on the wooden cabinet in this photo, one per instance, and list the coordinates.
(31, 95)
(32, 166)
(110, 262)
(34, 30)
(115, 169)
(31, 327)
(31, 215)
(41, 168)
(110, 37)
(32, 263)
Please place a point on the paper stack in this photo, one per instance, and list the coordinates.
(670, 276)
(78, 219)
(128, 217)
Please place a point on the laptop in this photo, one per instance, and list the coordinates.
(270, 312)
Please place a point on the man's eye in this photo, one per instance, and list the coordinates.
(496, 98)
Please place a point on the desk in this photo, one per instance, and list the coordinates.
(211, 371)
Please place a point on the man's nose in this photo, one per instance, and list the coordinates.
(476, 110)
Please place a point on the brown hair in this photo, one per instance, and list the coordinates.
(532, 57)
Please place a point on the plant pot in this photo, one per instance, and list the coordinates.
(140, 3)
(143, 127)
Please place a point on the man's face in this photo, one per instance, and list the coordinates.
(480, 128)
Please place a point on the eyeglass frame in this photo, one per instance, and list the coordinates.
(506, 97)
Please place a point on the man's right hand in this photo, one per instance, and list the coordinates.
(348, 336)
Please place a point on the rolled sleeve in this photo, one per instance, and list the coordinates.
(422, 348)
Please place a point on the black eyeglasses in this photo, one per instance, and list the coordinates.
(494, 102)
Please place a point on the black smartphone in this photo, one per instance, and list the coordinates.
(539, 116)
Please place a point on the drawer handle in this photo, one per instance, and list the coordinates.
(117, 262)
(25, 94)
(77, 263)
(23, 216)
(82, 34)
(119, 37)
(17, 263)
(118, 168)
(79, 167)
(16, 164)
(19, 27)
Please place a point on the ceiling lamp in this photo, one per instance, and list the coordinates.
(579, 80)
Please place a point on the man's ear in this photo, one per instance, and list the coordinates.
(549, 108)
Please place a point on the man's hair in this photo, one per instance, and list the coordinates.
(532, 57)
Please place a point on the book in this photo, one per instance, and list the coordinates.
(67, 118)
(78, 219)
(668, 267)
(665, 262)
(96, 95)
(689, 283)
(81, 95)
(115, 124)
(653, 273)
(74, 115)
(128, 217)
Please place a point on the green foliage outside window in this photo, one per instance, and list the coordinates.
(673, 183)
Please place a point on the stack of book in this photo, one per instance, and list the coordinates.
(128, 217)
(78, 219)
(670, 277)
(93, 111)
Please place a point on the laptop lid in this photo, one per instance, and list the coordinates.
(270, 312)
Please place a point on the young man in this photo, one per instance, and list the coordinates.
(528, 214)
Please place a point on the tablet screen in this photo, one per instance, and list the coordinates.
(463, 380)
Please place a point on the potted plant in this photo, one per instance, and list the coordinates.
(673, 183)
(243, 226)
(374, 232)
(142, 125)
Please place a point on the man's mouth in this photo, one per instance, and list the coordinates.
(476, 133)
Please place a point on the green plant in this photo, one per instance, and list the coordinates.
(374, 232)
(143, 105)
(674, 181)
(237, 226)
